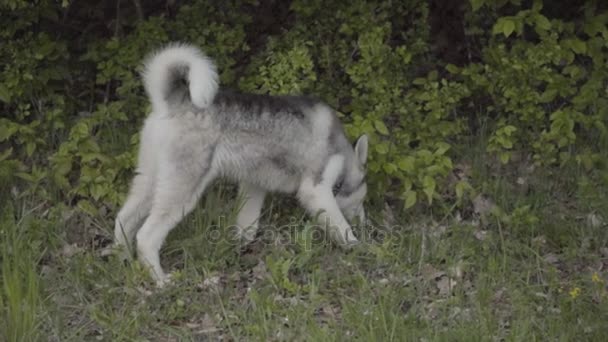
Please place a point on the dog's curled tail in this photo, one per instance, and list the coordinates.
(165, 68)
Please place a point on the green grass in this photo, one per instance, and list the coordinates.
(533, 270)
(20, 295)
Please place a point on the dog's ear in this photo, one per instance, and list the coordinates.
(361, 149)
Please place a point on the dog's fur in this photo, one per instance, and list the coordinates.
(196, 132)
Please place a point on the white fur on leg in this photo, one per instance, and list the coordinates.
(133, 212)
(319, 199)
(151, 237)
(171, 204)
(139, 201)
(248, 217)
(332, 171)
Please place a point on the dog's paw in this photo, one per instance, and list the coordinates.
(351, 243)
(164, 280)
(345, 239)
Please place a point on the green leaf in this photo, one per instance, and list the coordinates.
(452, 69)
(410, 199)
(505, 26)
(578, 46)
(30, 147)
(5, 95)
(7, 129)
(406, 164)
(573, 71)
(382, 148)
(542, 22)
(62, 166)
(381, 127)
(476, 4)
(389, 168)
(26, 176)
(61, 181)
(508, 28)
(442, 148)
(80, 130)
(4, 155)
(98, 191)
(505, 142)
(548, 95)
(460, 187)
(419, 81)
(87, 207)
(428, 187)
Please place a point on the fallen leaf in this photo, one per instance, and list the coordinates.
(483, 205)
(388, 216)
(551, 258)
(429, 273)
(458, 217)
(456, 270)
(260, 271)
(445, 285)
(212, 283)
(205, 325)
(330, 311)
(499, 295)
(540, 240)
(462, 171)
(595, 221)
(438, 230)
(556, 311)
(107, 251)
(145, 292)
(481, 235)
(69, 250)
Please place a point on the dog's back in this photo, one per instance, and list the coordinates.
(271, 141)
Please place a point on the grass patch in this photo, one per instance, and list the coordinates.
(531, 267)
(20, 291)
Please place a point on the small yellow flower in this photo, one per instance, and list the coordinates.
(596, 278)
(575, 292)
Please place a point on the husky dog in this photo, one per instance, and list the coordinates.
(196, 132)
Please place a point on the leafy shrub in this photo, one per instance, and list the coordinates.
(72, 100)
(546, 88)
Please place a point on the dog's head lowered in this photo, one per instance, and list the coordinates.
(350, 189)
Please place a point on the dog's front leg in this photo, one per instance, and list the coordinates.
(249, 214)
(319, 201)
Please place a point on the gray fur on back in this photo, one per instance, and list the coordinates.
(270, 141)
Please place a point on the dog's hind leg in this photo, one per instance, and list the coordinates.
(133, 212)
(139, 201)
(179, 186)
(248, 217)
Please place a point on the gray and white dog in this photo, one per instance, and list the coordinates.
(196, 132)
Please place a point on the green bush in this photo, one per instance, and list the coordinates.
(546, 89)
(72, 101)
